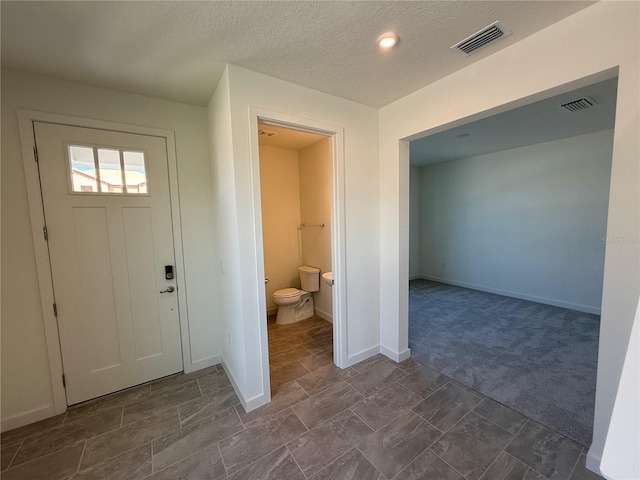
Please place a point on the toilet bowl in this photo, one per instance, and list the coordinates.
(295, 305)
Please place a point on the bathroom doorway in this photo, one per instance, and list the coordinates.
(297, 204)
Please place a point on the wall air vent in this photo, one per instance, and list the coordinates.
(482, 38)
(266, 133)
(578, 105)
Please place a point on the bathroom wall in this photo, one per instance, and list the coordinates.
(315, 208)
(280, 195)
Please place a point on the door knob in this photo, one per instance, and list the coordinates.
(168, 290)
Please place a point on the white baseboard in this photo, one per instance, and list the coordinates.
(326, 316)
(45, 412)
(521, 296)
(395, 356)
(414, 277)
(204, 363)
(247, 403)
(363, 355)
(26, 418)
(255, 402)
(593, 461)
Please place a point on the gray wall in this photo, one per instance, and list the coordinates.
(528, 222)
(414, 222)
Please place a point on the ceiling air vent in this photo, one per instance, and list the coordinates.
(578, 105)
(482, 38)
(266, 133)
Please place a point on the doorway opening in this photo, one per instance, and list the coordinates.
(507, 235)
(295, 189)
(320, 247)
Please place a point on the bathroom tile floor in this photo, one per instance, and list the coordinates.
(375, 420)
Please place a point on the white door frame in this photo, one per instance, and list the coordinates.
(338, 237)
(27, 140)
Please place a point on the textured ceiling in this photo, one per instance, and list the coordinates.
(286, 137)
(538, 122)
(178, 50)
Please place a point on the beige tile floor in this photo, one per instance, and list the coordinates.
(375, 420)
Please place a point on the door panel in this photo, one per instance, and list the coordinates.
(108, 214)
(145, 314)
(95, 293)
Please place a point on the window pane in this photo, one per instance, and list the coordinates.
(110, 172)
(83, 169)
(135, 173)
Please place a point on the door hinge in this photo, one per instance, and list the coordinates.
(64, 381)
(55, 309)
(35, 154)
(45, 232)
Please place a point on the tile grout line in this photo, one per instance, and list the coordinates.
(499, 426)
(66, 414)
(514, 437)
(447, 463)
(226, 471)
(575, 464)
(124, 452)
(84, 447)
(247, 465)
(182, 459)
(520, 460)
(369, 460)
(244, 426)
(151, 444)
(14, 455)
(296, 461)
(364, 421)
(199, 387)
(527, 466)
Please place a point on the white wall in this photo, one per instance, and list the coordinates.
(233, 175)
(26, 384)
(598, 39)
(414, 222)
(315, 208)
(227, 271)
(528, 222)
(620, 457)
(280, 194)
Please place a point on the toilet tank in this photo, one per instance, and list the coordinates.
(309, 278)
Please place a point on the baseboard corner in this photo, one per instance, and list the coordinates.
(395, 356)
(324, 315)
(247, 403)
(362, 355)
(593, 461)
(203, 363)
(26, 418)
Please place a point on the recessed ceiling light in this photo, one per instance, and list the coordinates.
(387, 40)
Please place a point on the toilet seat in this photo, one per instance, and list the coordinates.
(287, 293)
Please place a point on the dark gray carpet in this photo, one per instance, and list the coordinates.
(537, 359)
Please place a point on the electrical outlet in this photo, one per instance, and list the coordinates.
(221, 266)
(444, 265)
(229, 336)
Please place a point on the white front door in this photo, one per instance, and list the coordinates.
(108, 214)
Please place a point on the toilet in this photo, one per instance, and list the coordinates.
(293, 304)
